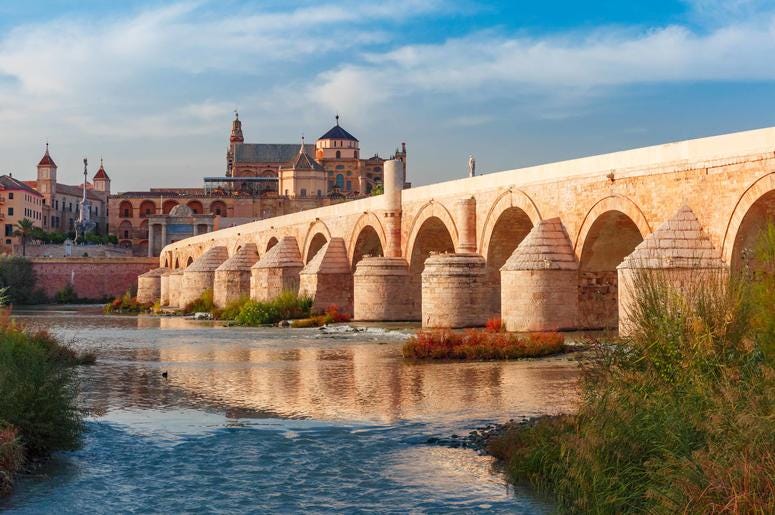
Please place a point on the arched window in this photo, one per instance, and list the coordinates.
(338, 154)
(340, 181)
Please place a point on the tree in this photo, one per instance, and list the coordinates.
(24, 229)
(378, 189)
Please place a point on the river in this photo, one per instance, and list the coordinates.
(280, 420)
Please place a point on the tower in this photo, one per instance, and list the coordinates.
(102, 181)
(401, 156)
(47, 176)
(235, 138)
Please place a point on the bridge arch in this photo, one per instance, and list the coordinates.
(271, 243)
(610, 232)
(753, 210)
(317, 236)
(432, 209)
(508, 222)
(366, 237)
(506, 201)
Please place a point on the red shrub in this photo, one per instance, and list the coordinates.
(494, 325)
(474, 344)
(335, 315)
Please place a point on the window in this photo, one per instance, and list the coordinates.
(349, 186)
(126, 234)
(10, 211)
(7, 242)
(126, 213)
(320, 193)
(338, 154)
(356, 154)
(9, 229)
(340, 181)
(340, 167)
(303, 192)
(148, 211)
(218, 211)
(10, 195)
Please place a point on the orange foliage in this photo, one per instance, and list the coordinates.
(481, 345)
(494, 325)
(335, 315)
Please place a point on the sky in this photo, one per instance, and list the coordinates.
(152, 86)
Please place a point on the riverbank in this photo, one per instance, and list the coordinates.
(38, 398)
(677, 417)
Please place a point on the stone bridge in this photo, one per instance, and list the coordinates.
(543, 247)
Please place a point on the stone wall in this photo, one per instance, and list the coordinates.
(92, 278)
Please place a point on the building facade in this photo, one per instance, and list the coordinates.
(61, 201)
(17, 202)
(261, 180)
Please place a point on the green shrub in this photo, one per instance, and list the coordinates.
(38, 390)
(127, 303)
(232, 309)
(677, 417)
(287, 306)
(17, 275)
(203, 304)
(67, 295)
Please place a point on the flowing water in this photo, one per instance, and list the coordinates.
(280, 420)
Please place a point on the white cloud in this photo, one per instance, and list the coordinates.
(487, 64)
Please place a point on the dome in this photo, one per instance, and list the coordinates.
(181, 210)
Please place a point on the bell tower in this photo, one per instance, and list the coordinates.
(235, 138)
(47, 176)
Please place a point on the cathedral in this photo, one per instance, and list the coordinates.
(261, 180)
(330, 166)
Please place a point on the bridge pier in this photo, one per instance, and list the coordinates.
(200, 275)
(232, 278)
(164, 289)
(380, 291)
(327, 278)
(678, 254)
(175, 285)
(149, 285)
(539, 282)
(453, 287)
(277, 271)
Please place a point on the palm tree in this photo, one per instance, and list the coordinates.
(24, 228)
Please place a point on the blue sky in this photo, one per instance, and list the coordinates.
(151, 86)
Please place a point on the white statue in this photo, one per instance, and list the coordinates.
(471, 166)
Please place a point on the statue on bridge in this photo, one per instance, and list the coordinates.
(471, 165)
(84, 223)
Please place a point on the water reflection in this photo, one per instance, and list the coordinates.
(266, 420)
(299, 373)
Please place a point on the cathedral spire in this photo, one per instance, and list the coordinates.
(236, 129)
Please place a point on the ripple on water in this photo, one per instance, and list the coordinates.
(259, 420)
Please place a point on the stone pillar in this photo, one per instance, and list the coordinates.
(539, 282)
(678, 254)
(465, 211)
(150, 239)
(327, 278)
(232, 278)
(200, 276)
(380, 290)
(453, 287)
(277, 271)
(149, 285)
(175, 282)
(163, 235)
(394, 185)
(164, 289)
